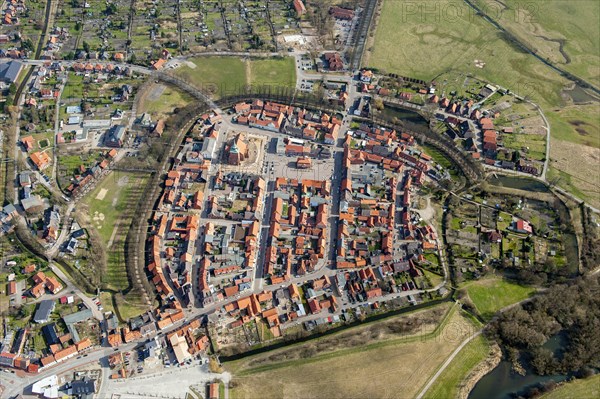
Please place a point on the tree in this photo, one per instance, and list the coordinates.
(12, 89)
(86, 46)
(27, 44)
(111, 9)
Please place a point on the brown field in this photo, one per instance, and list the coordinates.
(576, 167)
(387, 366)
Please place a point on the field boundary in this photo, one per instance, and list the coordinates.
(342, 352)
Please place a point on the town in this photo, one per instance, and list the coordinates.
(189, 186)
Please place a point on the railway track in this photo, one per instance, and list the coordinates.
(362, 33)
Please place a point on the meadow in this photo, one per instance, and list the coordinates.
(382, 364)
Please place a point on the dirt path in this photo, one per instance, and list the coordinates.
(248, 72)
(446, 363)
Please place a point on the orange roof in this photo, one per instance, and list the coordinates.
(71, 350)
(83, 344)
(40, 159)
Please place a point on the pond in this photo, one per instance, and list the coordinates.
(518, 183)
(404, 115)
(579, 95)
(502, 382)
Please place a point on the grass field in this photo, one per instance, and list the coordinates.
(386, 366)
(220, 76)
(272, 72)
(110, 208)
(578, 389)
(542, 25)
(163, 105)
(223, 76)
(577, 124)
(426, 39)
(448, 383)
(492, 294)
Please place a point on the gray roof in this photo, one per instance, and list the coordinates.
(9, 71)
(44, 310)
(73, 318)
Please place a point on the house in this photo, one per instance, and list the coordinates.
(158, 64)
(159, 128)
(12, 288)
(213, 390)
(53, 285)
(366, 76)
(41, 160)
(115, 136)
(494, 236)
(523, 226)
(42, 314)
(341, 13)
(299, 7)
(28, 143)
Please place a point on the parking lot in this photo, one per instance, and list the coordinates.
(285, 166)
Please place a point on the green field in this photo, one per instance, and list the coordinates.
(492, 294)
(163, 105)
(578, 389)
(220, 76)
(273, 72)
(223, 76)
(577, 124)
(110, 212)
(448, 382)
(427, 39)
(541, 25)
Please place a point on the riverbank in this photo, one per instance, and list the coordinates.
(484, 367)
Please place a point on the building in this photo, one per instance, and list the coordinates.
(115, 136)
(45, 309)
(32, 204)
(41, 160)
(299, 7)
(523, 226)
(9, 71)
(83, 388)
(237, 151)
(208, 148)
(47, 387)
(180, 348)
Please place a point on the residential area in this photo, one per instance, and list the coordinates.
(196, 193)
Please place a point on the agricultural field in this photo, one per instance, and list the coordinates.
(448, 383)
(222, 76)
(492, 294)
(401, 364)
(587, 388)
(564, 32)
